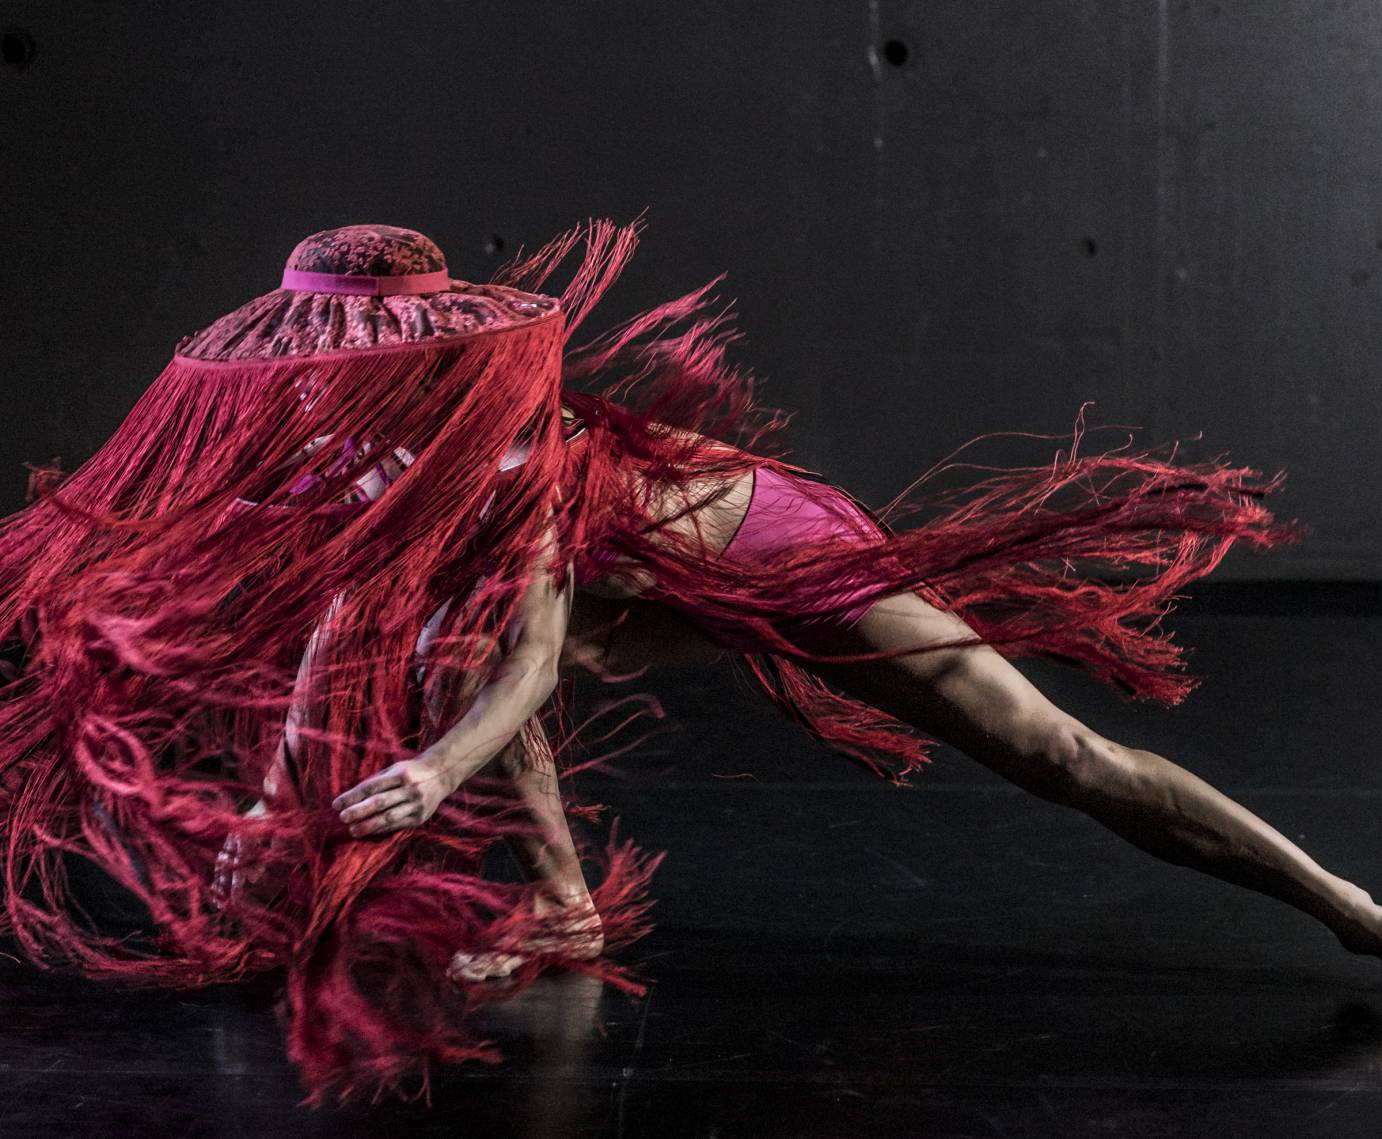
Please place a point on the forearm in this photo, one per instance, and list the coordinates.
(520, 686)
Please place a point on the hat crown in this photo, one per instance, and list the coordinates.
(302, 319)
(370, 250)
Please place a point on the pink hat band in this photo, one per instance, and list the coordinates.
(363, 285)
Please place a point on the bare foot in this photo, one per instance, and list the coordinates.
(577, 932)
(1359, 927)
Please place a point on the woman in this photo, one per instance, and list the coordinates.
(969, 696)
(284, 647)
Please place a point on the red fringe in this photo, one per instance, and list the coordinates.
(157, 603)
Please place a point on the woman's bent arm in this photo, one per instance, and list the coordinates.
(406, 794)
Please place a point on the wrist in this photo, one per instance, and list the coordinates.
(443, 766)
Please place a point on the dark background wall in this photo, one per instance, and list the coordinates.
(938, 219)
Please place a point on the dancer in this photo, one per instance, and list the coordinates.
(966, 694)
(286, 650)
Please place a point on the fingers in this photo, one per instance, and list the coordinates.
(376, 804)
(384, 781)
(400, 817)
(404, 795)
(482, 966)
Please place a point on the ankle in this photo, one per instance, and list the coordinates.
(1357, 921)
(1359, 905)
(571, 898)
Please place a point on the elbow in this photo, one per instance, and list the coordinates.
(539, 671)
(549, 673)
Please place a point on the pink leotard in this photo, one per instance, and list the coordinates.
(785, 509)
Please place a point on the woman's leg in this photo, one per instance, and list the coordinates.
(527, 772)
(975, 700)
(548, 855)
(605, 636)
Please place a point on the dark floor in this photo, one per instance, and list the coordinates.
(835, 957)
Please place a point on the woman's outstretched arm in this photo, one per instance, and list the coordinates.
(407, 793)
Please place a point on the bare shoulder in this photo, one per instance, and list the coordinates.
(706, 509)
(704, 512)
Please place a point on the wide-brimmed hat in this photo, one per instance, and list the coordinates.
(363, 287)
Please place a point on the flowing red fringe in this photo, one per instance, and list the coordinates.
(156, 604)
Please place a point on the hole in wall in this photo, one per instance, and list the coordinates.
(16, 48)
(896, 52)
(1090, 246)
(494, 244)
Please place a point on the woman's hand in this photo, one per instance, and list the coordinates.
(403, 795)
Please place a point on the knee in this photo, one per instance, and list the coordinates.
(1072, 764)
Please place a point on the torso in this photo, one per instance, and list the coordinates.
(710, 526)
(386, 469)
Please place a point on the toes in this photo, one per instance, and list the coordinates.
(580, 938)
(482, 966)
